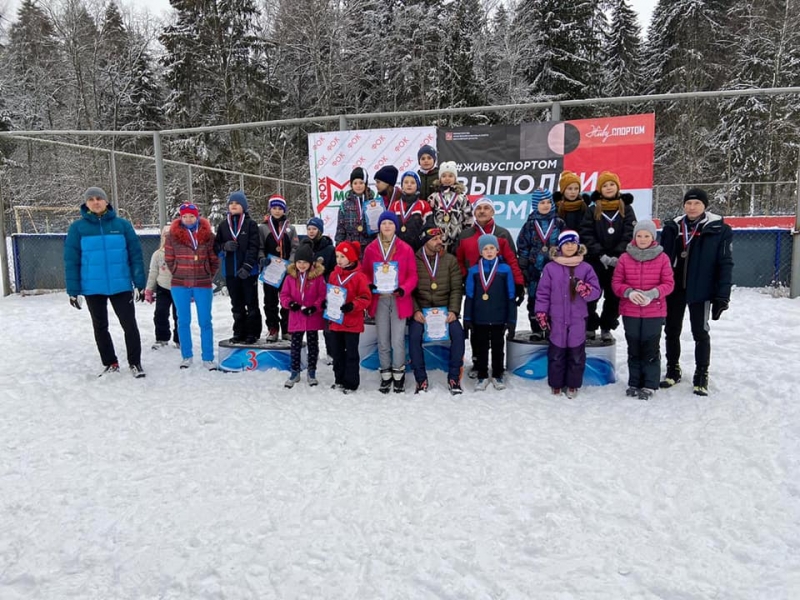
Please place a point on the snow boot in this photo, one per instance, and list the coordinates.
(399, 377)
(632, 392)
(137, 371)
(455, 387)
(311, 377)
(700, 382)
(293, 378)
(672, 377)
(422, 386)
(646, 393)
(386, 381)
(112, 368)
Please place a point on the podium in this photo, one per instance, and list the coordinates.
(437, 354)
(528, 360)
(258, 357)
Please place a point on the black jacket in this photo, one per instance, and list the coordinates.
(323, 249)
(573, 219)
(594, 234)
(246, 254)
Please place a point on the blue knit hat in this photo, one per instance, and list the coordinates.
(486, 239)
(426, 149)
(540, 194)
(238, 197)
(277, 200)
(415, 176)
(567, 236)
(388, 216)
(318, 223)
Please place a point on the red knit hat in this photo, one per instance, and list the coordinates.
(351, 250)
(189, 209)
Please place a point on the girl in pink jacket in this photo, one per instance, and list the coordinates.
(303, 292)
(388, 259)
(643, 280)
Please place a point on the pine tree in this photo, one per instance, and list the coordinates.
(622, 51)
(460, 79)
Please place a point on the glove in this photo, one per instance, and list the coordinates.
(467, 326)
(373, 288)
(308, 310)
(718, 306)
(243, 273)
(613, 260)
(139, 295)
(541, 317)
(347, 307)
(294, 306)
(638, 298)
(651, 294)
(609, 262)
(324, 304)
(400, 292)
(75, 302)
(583, 288)
(519, 291)
(230, 246)
(263, 262)
(149, 297)
(511, 328)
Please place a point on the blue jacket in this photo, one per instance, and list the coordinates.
(532, 254)
(102, 255)
(500, 308)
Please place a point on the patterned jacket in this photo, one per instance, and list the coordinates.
(532, 252)
(349, 219)
(456, 218)
(191, 267)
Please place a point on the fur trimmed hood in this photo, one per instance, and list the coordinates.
(554, 253)
(181, 234)
(317, 269)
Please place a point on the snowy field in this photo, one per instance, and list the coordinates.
(202, 485)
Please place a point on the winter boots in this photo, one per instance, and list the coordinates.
(386, 381)
(672, 377)
(700, 382)
(399, 377)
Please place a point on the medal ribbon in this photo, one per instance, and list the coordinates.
(447, 206)
(346, 279)
(483, 231)
(302, 280)
(431, 271)
(389, 252)
(610, 219)
(486, 283)
(544, 235)
(278, 236)
(360, 208)
(193, 238)
(238, 229)
(687, 235)
(405, 215)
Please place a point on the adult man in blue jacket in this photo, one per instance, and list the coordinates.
(103, 261)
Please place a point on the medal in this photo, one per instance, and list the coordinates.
(193, 241)
(611, 230)
(403, 229)
(404, 215)
(544, 236)
(483, 231)
(360, 228)
(388, 254)
(610, 220)
(431, 269)
(687, 236)
(486, 281)
(447, 218)
(278, 235)
(447, 206)
(434, 286)
(684, 254)
(485, 296)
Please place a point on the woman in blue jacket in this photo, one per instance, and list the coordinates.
(103, 261)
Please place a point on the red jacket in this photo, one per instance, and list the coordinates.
(643, 275)
(357, 292)
(193, 268)
(468, 252)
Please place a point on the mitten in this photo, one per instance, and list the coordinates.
(583, 288)
(511, 328)
(541, 317)
(347, 307)
(373, 288)
(294, 306)
(718, 306)
(149, 297)
(139, 295)
(243, 273)
(612, 261)
(607, 261)
(308, 310)
(400, 292)
(75, 302)
(651, 294)
(519, 292)
(230, 246)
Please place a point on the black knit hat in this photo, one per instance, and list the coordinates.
(696, 194)
(387, 174)
(304, 252)
(359, 173)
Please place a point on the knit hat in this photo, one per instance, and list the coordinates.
(95, 192)
(304, 252)
(645, 225)
(607, 176)
(483, 200)
(426, 149)
(696, 194)
(277, 200)
(540, 194)
(189, 209)
(387, 174)
(388, 216)
(239, 198)
(359, 173)
(486, 239)
(429, 233)
(567, 179)
(318, 223)
(448, 167)
(351, 250)
(568, 235)
(415, 176)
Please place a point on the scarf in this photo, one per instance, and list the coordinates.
(604, 205)
(566, 206)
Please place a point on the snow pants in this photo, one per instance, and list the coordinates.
(644, 356)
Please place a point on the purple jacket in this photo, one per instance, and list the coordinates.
(312, 295)
(556, 296)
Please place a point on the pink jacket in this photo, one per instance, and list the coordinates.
(407, 265)
(312, 295)
(643, 270)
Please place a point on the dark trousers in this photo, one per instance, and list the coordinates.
(297, 349)
(275, 316)
(609, 317)
(415, 334)
(122, 304)
(698, 319)
(484, 336)
(345, 359)
(244, 306)
(565, 366)
(644, 355)
(161, 315)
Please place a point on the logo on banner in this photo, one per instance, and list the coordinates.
(330, 190)
(606, 132)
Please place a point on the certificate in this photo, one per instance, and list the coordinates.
(335, 297)
(373, 210)
(274, 272)
(387, 278)
(436, 328)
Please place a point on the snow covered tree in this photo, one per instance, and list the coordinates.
(622, 52)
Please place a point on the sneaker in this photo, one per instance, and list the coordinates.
(250, 340)
(293, 378)
(646, 393)
(235, 340)
(286, 337)
(572, 393)
(700, 382)
(481, 384)
(112, 368)
(537, 336)
(399, 379)
(472, 373)
(311, 377)
(137, 371)
(210, 365)
(272, 336)
(186, 363)
(555, 391)
(591, 334)
(498, 383)
(422, 386)
(158, 345)
(632, 392)
(606, 336)
(455, 388)
(672, 377)
(386, 382)
(328, 360)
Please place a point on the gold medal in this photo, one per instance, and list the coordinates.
(360, 228)
(434, 285)
(403, 229)
(447, 218)
(385, 267)
(485, 296)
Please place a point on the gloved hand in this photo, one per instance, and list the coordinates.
(308, 310)
(583, 288)
(139, 295)
(149, 297)
(347, 307)
(75, 302)
(511, 328)
(467, 326)
(609, 262)
(400, 292)
(243, 273)
(230, 246)
(638, 298)
(324, 304)
(263, 262)
(519, 292)
(718, 306)
(651, 294)
(541, 317)
(294, 306)
(373, 288)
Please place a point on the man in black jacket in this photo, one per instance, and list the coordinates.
(699, 246)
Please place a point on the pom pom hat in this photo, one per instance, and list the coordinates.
(568, 236)
(350, 250)
(277, 200)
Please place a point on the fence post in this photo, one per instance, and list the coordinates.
(555, 111)
(162, 194)
(3, 250)
(241, 181)
(342, 123)
(190, 185)
(794, 288)
(114, 188)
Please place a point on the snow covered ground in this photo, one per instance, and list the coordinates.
(208, 485)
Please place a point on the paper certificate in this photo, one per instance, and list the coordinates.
(373, 210)
(436, 327)
(387, 278)
(274, 272)
(335, 297)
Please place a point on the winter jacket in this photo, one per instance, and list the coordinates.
(269, 244)
(500, 307)
(427, 181)
(102, 255)
(468, 253)
(643, 270)
(532, 252)
(246, 254)
(557, 297)
(349, 220)
(407, 274)
(192, 268)
(594, 233)
(324, 252)
(572, 218)
(417, 210)
(707, 276)
(159, 272)
(358, 293)
(448, 281)
(456, 218)
(312, 294)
